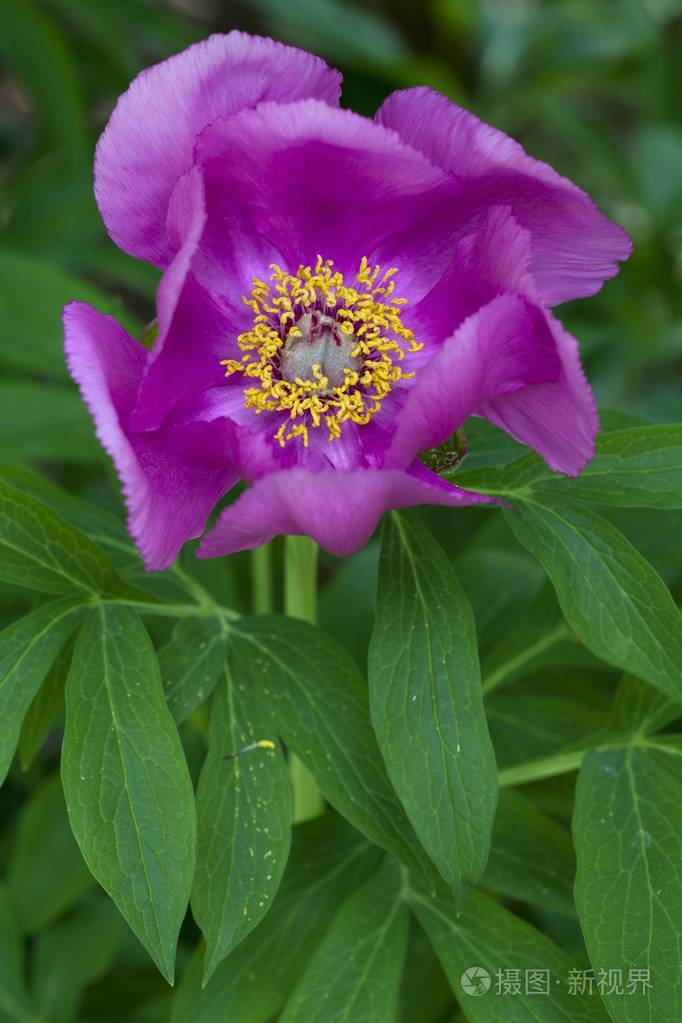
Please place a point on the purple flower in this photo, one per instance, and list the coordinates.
(339, 294)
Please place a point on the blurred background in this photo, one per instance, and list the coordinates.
(592, 87)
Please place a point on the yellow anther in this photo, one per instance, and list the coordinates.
(365, 312)
(279, 436)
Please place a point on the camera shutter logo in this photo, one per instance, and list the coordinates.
(475, 981)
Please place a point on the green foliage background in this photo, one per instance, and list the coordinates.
(594, 89)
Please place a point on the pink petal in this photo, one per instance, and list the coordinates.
(171, 479)
(184, 224)
(149, 140)
(340, 510)
(557, 418)
(315, 180)
(499, 350)
(493, 259)
(574, 247)
(193, 330)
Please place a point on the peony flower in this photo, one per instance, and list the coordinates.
(338, 295)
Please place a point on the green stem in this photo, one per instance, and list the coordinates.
(192, 585)
(560, 763)
(544, 767)
(167, 610)
(300, 601)
(300, 578)
(261, 579)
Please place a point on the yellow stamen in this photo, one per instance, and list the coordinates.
(365, 311)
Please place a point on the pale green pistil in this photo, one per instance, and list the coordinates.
(322, 343)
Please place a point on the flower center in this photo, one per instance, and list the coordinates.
(319, 341)
(323, 351)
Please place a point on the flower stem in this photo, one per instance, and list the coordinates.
(300, 601)
(300, 578)
(559, 763)
(544, 767)
(261, 579)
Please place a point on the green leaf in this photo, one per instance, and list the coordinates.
(45, 421)
(501, 585)
(15, 1004)
(73, 954)
(637, 468)
(346, 601)
(639, 709)
(488, 938)
(612, 419)
(531, 857)
(640, 467)
(611, 597)
(628, 836)
(650, 530)
(31, 332)
(425, 697)
(541, 639)
(42, 552)
(355, 972)
(425, 993)
(192, 662)
(488, 445)
(101, 526)
(46, 707)
(328, 859)
(43, 838)
(126, 781)
(244, 822)
(553, 794)
(104, 528)
(530, 720)
(28, 648)
(319, 705)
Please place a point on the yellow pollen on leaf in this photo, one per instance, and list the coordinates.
(366, 315)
